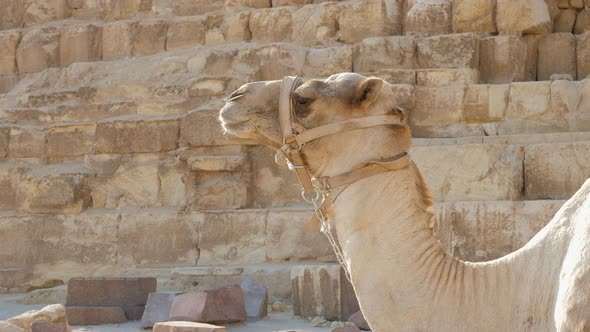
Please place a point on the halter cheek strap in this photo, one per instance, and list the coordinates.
(322, 192)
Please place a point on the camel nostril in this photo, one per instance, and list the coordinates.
(236, 94)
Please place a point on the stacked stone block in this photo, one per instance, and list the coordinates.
(112, 161)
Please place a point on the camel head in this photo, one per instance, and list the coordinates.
(251, 112)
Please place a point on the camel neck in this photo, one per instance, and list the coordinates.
(395, 260)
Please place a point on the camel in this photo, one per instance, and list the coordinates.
(403, 278)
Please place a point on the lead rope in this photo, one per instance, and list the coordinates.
(326, 226)
(317, 200)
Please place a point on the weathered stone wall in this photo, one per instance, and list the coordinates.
(112, 161)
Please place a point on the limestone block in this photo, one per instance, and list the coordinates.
(344, 327)
(235, 28)
(323, 62)
(175, 180)
(117, 40)
(157, 308)
(45, 296)
(59, 96)
(503, 59)
(219, 192)
(54, 189)
(278, 3)
(485, 103)
(529, 100)
(278, 60)
(395, 76)
(565, 21)
(38, 50)
(9, 180)
(130, 136)
(565, 97)
(217, 306)
(438, 105)
(85, 243)
(523, 16)
(532, 45)
(8, 42)
(448, 51)
(481, 231)
(272, 185)
(404, 96)
(186, 32)
(582, 22)
(377, 53)
(7, 83)
(126, 183)
(187, 327)
(583, 55)
(316, 291)
(118, 10)
(149, 37)
(271, 25)
(39, 11)
(80, 43)
(185, 7)
(474, 16)
(201, 128)
(316, 24)
(109, 291)
(438, 77)
(8, 327)
(288, 237)
(226, 163)
(55, 313)
(429, 17)
(557, 55)
(157, 239)
(255, 298)
(95, 315)
(26, 142)
(369, 18)
(234, 5)
(359, 320)
(11, 12)
(472, 172)
(232, 238)
(66, 141)
(543, 160)
(4, 136)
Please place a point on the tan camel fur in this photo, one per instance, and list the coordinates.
(403, 278)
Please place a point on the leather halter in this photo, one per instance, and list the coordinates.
(295, 136)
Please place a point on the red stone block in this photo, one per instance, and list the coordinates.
(217, 306)
(95, 315)
(109, 292)
(187, 327)
(44, 326)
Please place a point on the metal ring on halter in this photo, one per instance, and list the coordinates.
(313, 200)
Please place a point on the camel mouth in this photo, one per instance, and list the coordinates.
(233, 119)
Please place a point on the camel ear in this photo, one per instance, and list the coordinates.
(368, 91)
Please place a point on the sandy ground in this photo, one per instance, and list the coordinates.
(276, 321)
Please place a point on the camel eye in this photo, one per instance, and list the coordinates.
(302, 101)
